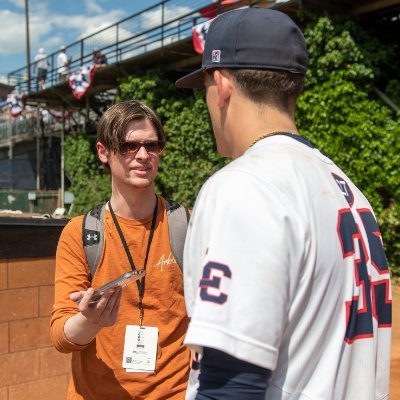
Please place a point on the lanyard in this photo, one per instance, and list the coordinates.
(140, 284)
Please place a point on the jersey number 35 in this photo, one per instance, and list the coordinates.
(371, 274)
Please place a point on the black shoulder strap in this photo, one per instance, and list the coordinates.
(93, 237)
(178, 219)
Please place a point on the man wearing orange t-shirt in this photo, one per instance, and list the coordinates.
(129, 344)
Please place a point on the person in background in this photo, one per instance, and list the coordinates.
(99, 60)
(62, 65)
(150, 317)
(286, 279)
(41, 64)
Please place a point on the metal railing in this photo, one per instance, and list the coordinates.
(9, 130)
(29, 127)
(153, 28)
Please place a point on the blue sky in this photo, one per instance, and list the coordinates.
(55, 22)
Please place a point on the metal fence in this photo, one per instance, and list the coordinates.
(153, 28)
(38, 123)
(10, 130)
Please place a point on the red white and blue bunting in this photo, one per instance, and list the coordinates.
(16, 102)
(213, 10)
(60, 115)
(199, 33)
(81, 81)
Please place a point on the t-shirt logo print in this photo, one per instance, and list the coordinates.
(164, 262)
(216, 56)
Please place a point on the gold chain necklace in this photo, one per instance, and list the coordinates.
(271, 134)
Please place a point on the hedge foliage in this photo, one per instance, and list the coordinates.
(338, 112)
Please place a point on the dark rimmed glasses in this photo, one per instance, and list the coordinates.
(151, 146)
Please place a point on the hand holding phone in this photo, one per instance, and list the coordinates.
(122, 281)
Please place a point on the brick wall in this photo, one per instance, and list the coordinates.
(29, 366)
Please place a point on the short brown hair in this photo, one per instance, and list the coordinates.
(112, 125)
(280, 88)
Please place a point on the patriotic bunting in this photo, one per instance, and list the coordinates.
(16, 102)
(81, 81)
(212, 11)
(60, 115)
(199, 33)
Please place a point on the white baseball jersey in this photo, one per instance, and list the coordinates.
(284, 268)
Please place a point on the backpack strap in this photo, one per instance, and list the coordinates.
(93, 237)
(93, 233)
(178, 219)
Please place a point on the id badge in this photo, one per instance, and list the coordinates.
(140, 348)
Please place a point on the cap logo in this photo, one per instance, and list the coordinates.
(216, 56)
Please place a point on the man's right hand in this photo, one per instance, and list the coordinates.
(82, 328)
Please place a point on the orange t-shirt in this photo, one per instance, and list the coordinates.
(97, 371)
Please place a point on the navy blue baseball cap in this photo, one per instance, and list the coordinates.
(252, 38)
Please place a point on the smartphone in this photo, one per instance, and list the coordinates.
(123, 280)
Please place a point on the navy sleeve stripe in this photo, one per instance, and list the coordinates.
(223, 377)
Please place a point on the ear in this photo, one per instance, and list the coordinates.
(224, 86)
(102, 152)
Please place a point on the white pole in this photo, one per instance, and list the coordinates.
(62, 159)
(39, 130)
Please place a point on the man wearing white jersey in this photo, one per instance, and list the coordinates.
(286, 279)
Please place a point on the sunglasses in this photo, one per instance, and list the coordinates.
(151, 146)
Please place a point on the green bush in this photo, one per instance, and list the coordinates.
(89, 183)
(341, 115)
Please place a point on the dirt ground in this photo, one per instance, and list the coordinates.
(395, 359)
